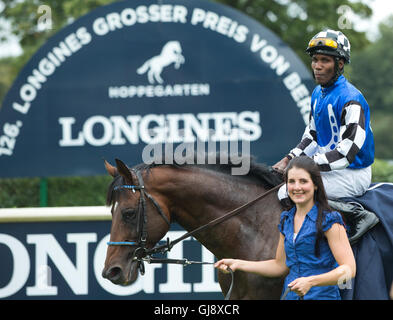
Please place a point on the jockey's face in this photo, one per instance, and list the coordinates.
(300, 187)
(323, 68)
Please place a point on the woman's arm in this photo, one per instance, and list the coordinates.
(268, 268)
(342, 252)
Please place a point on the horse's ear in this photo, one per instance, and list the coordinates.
(123, 170)
(110, 169)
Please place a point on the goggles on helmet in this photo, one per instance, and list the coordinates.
(323, 42)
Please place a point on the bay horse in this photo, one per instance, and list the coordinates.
(194, 195)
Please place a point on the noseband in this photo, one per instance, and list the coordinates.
(141, 250)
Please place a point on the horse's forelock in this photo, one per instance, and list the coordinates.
(111, 197)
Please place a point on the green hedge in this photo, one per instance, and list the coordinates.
(382, 171)
(62, 192)
(91, 191)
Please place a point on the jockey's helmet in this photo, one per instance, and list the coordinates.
(332, 43)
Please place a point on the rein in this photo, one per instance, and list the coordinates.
(168, 246)
(142, 254)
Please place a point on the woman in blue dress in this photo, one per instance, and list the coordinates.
(313, 250)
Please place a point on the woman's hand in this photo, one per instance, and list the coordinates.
(301, 285)
(223, 264)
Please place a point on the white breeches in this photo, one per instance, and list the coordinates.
(341, 183)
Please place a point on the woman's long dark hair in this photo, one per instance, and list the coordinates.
(320, 198)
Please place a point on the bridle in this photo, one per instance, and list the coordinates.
(141, 251)
(142, 254)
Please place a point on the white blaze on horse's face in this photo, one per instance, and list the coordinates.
(171, 53)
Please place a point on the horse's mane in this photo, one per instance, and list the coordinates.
(259, 172)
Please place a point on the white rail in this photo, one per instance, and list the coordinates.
(55, 214)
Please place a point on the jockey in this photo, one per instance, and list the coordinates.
(339, 136)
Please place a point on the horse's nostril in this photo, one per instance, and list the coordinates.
(113, 273)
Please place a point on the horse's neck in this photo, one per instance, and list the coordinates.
(211, 195)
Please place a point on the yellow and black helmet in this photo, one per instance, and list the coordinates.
(332, 43)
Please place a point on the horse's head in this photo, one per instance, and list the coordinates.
(136, 224)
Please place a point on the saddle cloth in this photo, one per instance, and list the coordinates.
(374, 251)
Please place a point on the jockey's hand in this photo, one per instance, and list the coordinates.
(300, 286)
(281, 165)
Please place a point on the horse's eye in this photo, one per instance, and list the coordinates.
(128, 214)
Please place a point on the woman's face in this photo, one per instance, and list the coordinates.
(300, 187)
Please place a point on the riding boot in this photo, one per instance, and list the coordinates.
(356, 217)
